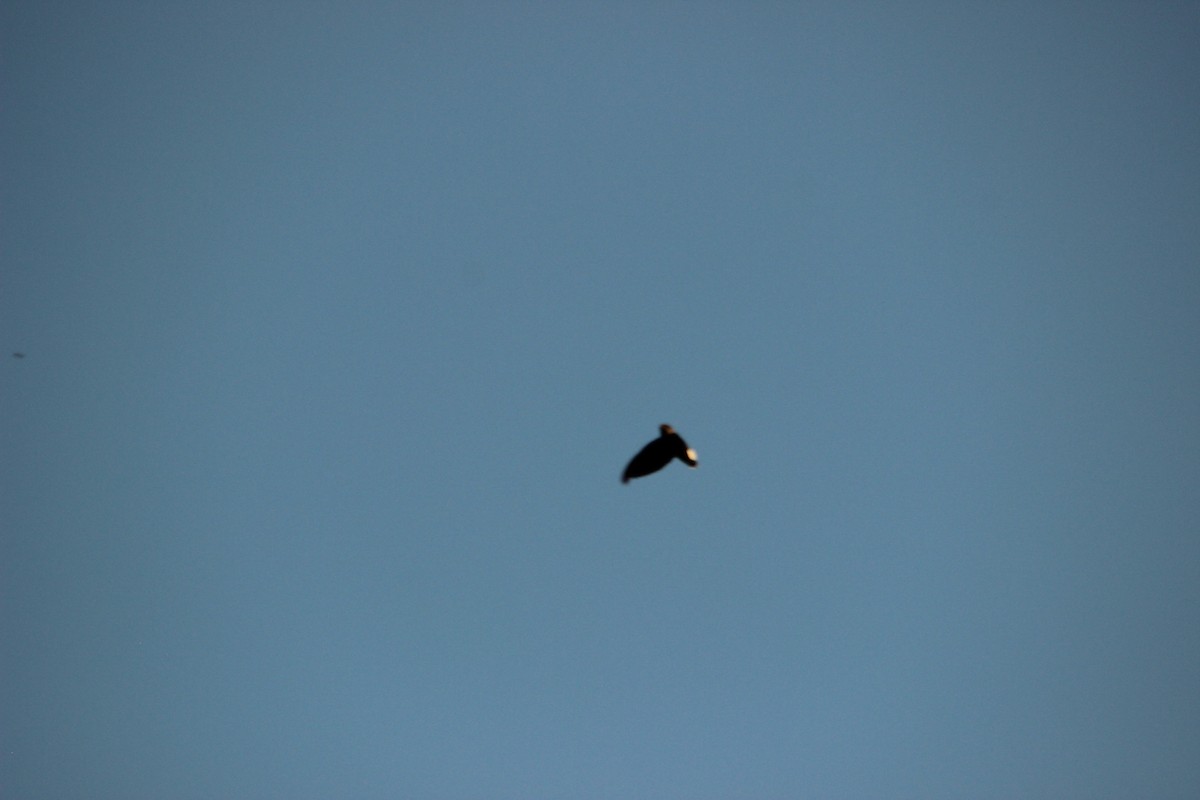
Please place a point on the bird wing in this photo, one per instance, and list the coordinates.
(651, 458)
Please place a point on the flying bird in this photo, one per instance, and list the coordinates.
(659, 453)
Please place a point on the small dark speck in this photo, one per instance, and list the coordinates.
(18, 355)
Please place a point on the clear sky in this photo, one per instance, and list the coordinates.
(341, 320)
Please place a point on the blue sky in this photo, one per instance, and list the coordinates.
(340, 322)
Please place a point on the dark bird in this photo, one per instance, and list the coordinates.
(659, 453)
(18, 355)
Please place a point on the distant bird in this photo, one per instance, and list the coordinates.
(18, 355)
(659, 453)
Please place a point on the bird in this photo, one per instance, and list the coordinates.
(18, 355)
(659, 453)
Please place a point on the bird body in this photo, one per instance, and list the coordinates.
(658, 453)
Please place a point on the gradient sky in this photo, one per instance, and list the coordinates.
(340, 321)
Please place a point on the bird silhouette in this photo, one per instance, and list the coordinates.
(659, 453)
